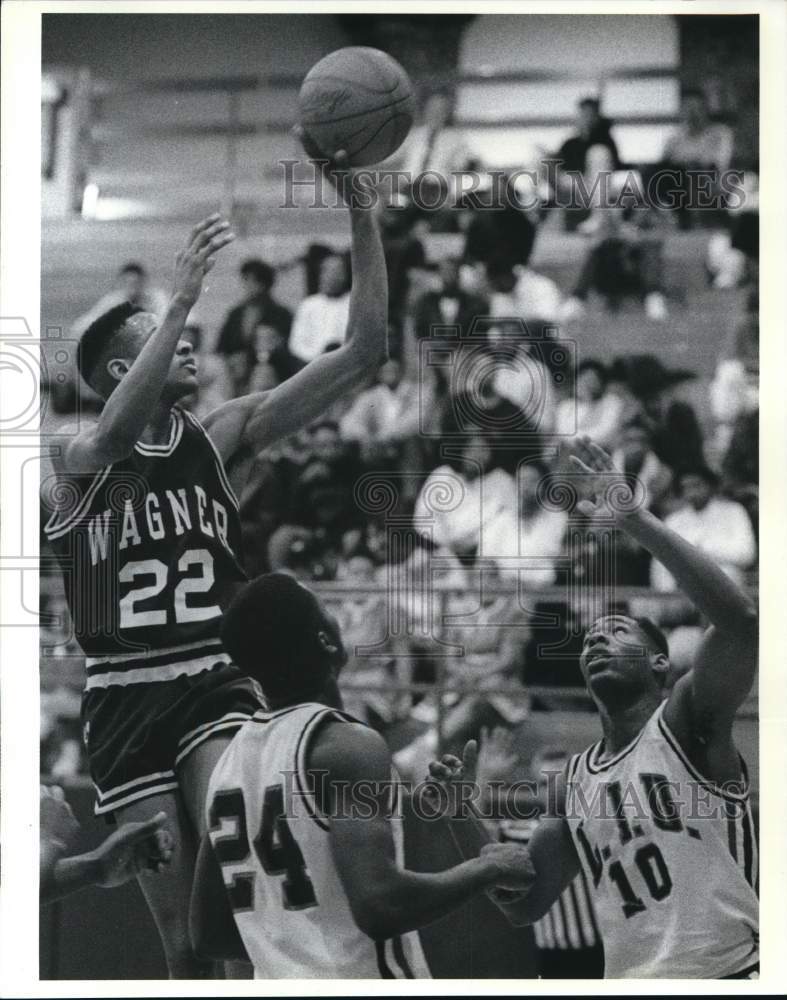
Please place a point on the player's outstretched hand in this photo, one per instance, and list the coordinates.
(132, 849)
(450, 768)
(602, 486)
(205, 240)
(58, 823)
(513, 867)
(355, 189)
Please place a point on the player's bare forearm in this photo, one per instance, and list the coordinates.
(128, 409)
(724, 666)
(711, 590)
(259, 420)
(403, 900)
(67, 875)
(368, 320)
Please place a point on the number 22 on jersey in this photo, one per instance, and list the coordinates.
(189, 583)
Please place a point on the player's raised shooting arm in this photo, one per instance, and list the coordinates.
(127, 411)
(212, 928)
(385, 898)
(260, 419)
(724, 666)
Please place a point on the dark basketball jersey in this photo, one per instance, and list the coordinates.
(149, 546)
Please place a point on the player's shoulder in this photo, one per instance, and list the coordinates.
(61, 439)
(349, 750)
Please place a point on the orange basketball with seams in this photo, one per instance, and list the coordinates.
(360, 100)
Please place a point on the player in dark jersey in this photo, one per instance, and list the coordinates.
(147, 533)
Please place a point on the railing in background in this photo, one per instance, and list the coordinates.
(236, 128)
(640, 600)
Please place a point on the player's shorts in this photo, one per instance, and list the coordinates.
(138, 734)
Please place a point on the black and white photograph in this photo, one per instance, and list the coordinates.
(389, 555)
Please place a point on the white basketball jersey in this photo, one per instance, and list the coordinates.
(272, 843)
(671, 860)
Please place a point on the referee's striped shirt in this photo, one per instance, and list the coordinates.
(571, 922)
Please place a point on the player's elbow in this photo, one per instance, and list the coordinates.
(377, 912)
(112, 443)
(376, 918)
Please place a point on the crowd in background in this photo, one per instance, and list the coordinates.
(468, 438)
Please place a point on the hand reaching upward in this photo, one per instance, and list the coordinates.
(205, 240)
(355, 189)
(602, 486)
(450, 768)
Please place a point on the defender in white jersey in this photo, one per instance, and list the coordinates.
(657, 813)
(302, 869)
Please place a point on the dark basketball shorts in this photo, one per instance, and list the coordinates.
(138, 734)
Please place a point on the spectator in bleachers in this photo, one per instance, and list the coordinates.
(635, 456)
(132, 285)
(649, 391)
(500, 239)
(448, 304)
(274, 362)
(697, 143)
(522, 377)
(740, 465)
(238, 335)
(594, 408)
(433, 144)
(624, 259)
(593, 129)
(524, 293)
(363, 620)
(458, 500)
(527, 540)
(492, 640)
(387, 420)
(434, 151)
(588, 151)
(321, 320)
(714, 524)
(734, 390)
(405, 261)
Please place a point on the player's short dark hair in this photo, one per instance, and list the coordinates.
(271, 631)
(654, 634)
(132, 267)
(99, 339)
(259, 270)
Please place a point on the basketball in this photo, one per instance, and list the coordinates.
(360, 100)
